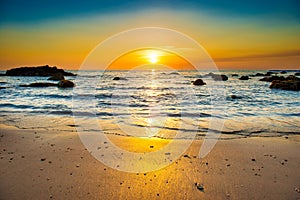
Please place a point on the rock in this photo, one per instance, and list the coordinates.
(244, 78)
(65, 84)
(259, 74)
(235, 97)
(221, 77)
(57, 77)
(272, 78)
(118, 78)
(39, 85)
(283, 72)
(297, 74)
(1, 88)
(288, 84)
(268, 74)
(199, 187)
(37, 71)
(234, 75)
(199, 82)
(217, 77)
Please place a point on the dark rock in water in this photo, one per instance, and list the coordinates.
(3, 82)
(39, 85)
(118, 78)
(217, 77)
(65, 84)
(244, 78)
(290, 83)
(1, 88)
(221, 77)
(268, 74)
(272, 78)
(235, 96)
(283, 72)
(259, 74)
(57, 77)
(297, 74)
(37, 71)
(234, 75)
(210, 74)
(199, 82)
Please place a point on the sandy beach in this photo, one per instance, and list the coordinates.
(48, 164)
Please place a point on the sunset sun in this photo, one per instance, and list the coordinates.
(153, 58)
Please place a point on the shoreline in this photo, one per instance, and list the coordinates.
(50, 164)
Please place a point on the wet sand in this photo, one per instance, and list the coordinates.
(48, 164)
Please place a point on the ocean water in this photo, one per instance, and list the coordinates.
(147, 102)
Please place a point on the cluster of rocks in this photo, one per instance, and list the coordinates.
(289, 83)
(54, 73)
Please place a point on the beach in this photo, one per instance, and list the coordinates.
(39, 163)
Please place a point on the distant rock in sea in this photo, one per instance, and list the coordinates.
(297, 74)
(244, 78)
(289, 83)
(118, 78)
(66, 84)
(37, 71)
(234, 75)
(272, 78)
(199, 82)
(217, 77)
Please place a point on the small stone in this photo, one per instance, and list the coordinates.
(253, 159)
(151, 147)
(199, 187)
(186, 156)
(78, 165)
(43, 159)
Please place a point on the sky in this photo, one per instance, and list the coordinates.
(256, 34)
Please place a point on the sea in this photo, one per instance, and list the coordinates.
(156, 103)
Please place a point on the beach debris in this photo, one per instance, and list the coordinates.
(200, 187)
(65, 84)
(244, 78)
(187, 156)
(199, 82)
(57, 77)
(37, 71)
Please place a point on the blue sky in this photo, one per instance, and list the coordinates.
(22, 11)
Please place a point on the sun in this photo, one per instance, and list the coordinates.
(153, 58)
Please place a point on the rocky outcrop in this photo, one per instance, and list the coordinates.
(289, 83)
(39, 85)
(65, 84)
(297, 74)
(244, 78)
(37, 71)
(272, 78)
(57, 77)
(199, 82)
